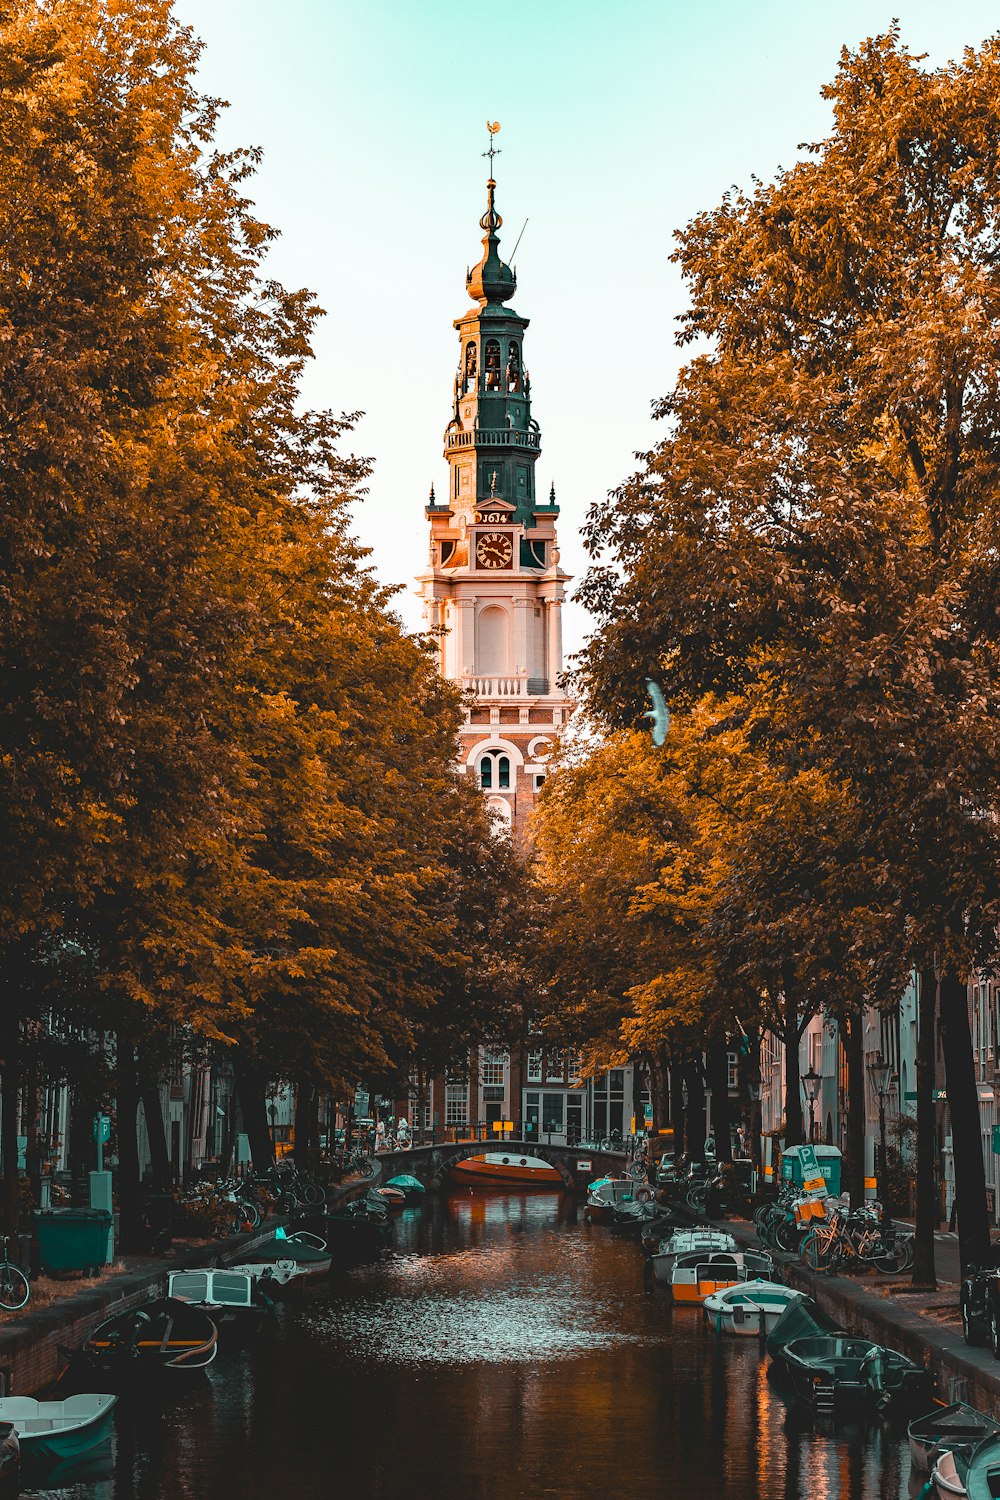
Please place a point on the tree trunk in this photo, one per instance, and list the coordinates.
(132, 1235)
(677, 1106)
(793, 1097)
(924, 1269)
(852, 1031)
(718, 1078)
(11, 1084)
(966, 1138)
(152, 1108)
(31, 1108)
(695, 1121)
(251, 1085)
(80, 1148)
(306, 1107)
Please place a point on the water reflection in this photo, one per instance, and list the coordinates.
(506, 1352)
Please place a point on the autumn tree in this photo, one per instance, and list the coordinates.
(817, 530)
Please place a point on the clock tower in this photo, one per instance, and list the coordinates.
(493, 590)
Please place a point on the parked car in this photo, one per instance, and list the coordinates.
(980, 1303)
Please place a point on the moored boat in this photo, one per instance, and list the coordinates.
(954, 1426)
(308, 1252)
(700, 1273)
(800, 1320)
(604, 1195)
(10, 1461)
(234, 1299)
(393, 1198)
(686, 1242)
(949, 1473)
(411, 1187)
(161, 1336)
(749, 1309)
(827, 1370)
(50, 1431)
(982, 1475)
(504, 1170)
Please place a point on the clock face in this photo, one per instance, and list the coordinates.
(494, 549)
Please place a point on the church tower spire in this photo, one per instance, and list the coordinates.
(494, 590)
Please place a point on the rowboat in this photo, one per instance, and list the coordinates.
(954, 1426)
(750, 1309)
(982, 1479)
(685, 1242)
(701, 1273)
(49, 1431)
(165, 1335)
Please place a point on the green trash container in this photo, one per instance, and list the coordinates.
(73, 1239)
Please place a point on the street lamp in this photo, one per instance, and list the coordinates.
(811, 1082)
(882, 1078)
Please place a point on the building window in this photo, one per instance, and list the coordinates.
(535, 1065)
(493, 1094)
(553, 1106)
(732, 1065)
(470, 367)
(494, 771)
(491, 1070)
(574, 1067)
(555, 1066)
(513, 367)
(456, 1104)
(491, 361)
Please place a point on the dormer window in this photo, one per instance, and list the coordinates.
(491, 360)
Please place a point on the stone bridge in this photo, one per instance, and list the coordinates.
(576, 1165)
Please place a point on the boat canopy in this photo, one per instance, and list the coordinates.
(802, 1319)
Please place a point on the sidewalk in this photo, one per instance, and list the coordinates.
(925, 1326)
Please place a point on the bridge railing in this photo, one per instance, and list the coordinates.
(492, 1138)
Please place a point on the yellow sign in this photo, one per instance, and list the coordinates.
(814, 1185)
(500, 1126)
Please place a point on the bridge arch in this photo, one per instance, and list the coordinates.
(553, 1157)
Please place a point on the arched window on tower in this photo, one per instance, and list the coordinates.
(494, 771)
(513, 367)
(491, 363)
(469, 378)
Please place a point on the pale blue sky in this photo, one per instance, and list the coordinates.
(619, 122)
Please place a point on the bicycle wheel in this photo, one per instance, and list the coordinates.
(891, 1259)
(313, 1195)
(819, 1254)
(637, 1172)
(14, 1288)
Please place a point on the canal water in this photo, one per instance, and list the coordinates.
(506, 1351)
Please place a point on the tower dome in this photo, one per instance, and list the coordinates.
(492, 280)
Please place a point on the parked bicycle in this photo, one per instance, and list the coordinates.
(15, 1288)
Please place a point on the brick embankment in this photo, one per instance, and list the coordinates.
(29, 1342)
(962, 1373)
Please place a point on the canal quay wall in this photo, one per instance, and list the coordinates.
(30, 1341)
(963, 1373)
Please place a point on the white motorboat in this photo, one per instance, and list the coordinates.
(701, 1272)
(272, 1272)
(684, 1242)
(750, 1308)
